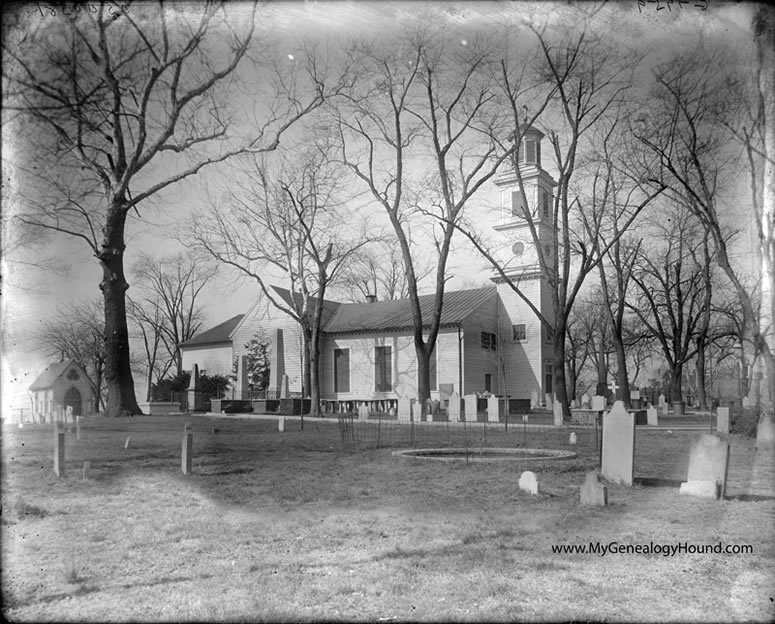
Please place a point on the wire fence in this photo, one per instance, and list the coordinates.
(377, 433)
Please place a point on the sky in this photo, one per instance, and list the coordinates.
(33, 295)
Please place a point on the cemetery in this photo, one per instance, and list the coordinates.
(166, 515)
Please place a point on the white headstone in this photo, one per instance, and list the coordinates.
(557, 412)
(453, 409)
(618, 461)
(598, 403)
(573, 404)
(746, 402)
(404, 409)
(665, 409)
(634, 395)
(661, 400)
(708, 464)
(470, 407)
(586, 401)
(572, 438)
(284, 392)
(722, 420)
(281, 424)
(528, 482)
(593, 492)
(533, 399)
(548, 401)
(652, 416)
(494, 408)
(363, 412)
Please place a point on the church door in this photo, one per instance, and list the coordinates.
(73, 399)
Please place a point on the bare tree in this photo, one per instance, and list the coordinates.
(120, 104)
(77, 333)
(285, 216)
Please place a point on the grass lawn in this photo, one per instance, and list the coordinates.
(288, 527)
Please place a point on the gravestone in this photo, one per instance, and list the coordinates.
(593, 492)
(453, 409)
(77, 427)
(573, 404)
(436, 408)
(722, 420)
(428, 410)
(59, 453)
(470, 408)
(68, 414)
(243, 389)
(549, 401)
(557, 412)
(765, 432)
(85, 471)
(363, 412)
(533, 399)
(708, 467)
(665, 409)
(598, 403)
(281, 424)
(528, 482)
(284, 391)
(187, 452)
(572, 438)
(661, 400)
(746, 402)
(586, 401)
(652, 416)
(404, 409)
(618, 460)
(494, 408)
(195, 398)
(276, 364)
(635, 399)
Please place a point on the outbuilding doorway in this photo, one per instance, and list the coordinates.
(73, 399)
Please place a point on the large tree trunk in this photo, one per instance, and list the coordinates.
(314, 375)
(676, 372)
(560, 390)
(621, 380)
(423, 375)
(699, 365)
(118, 372)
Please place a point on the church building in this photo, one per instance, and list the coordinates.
(490, 340)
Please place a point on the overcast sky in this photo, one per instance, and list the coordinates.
(32, 295)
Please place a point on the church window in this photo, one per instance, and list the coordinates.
(341, 370)
(546, 198)
(383, 369)
(489, 341)
(519, 332)
(531, 152)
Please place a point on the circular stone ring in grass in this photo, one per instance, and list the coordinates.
(485, 454)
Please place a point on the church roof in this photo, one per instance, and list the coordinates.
(397, 314)
(219, 333)
(49, 377)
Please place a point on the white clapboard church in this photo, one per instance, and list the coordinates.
(490, 340)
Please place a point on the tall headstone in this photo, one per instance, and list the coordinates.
(618, 460)
(708, 467)
(281, 424)
(528, 482)
(494, 408)
(276, 363)
(593, 492)
(557, 413)
(471, 407)
(661, 401)
(453, 408)
(598, 403)
(77, 427)
(533, 399)
(404, 409)
(187, 453)
(652, 416)
(284, 389)
(243, 387)
(722, 420)
(59, 453)
(195, 398)
(765, 432)
(363, 412)
(665, 409)
(435, 408)
(549, 401)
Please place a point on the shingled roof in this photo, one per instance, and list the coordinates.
(49, 376)
(219, 333)
(397, 314)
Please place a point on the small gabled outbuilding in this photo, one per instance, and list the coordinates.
(62, 385)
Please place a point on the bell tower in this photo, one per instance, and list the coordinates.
(526, 224)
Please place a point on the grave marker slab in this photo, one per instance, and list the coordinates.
(557, 412)
(618, 460)
(363, 412)
(85, 471)
(765, 432)
(470, 407)
(186, 456)
(404, 409)
(495, 407)
(549, 401)
(665, 409)
(453, 408)
(59, 453)
(281, 424)
(722, 420)
(593, 492)
(709, 463)
(652, 416)
(533, 399)
(598, 403)
(77, 427)
(572, 438)
(528, 482)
